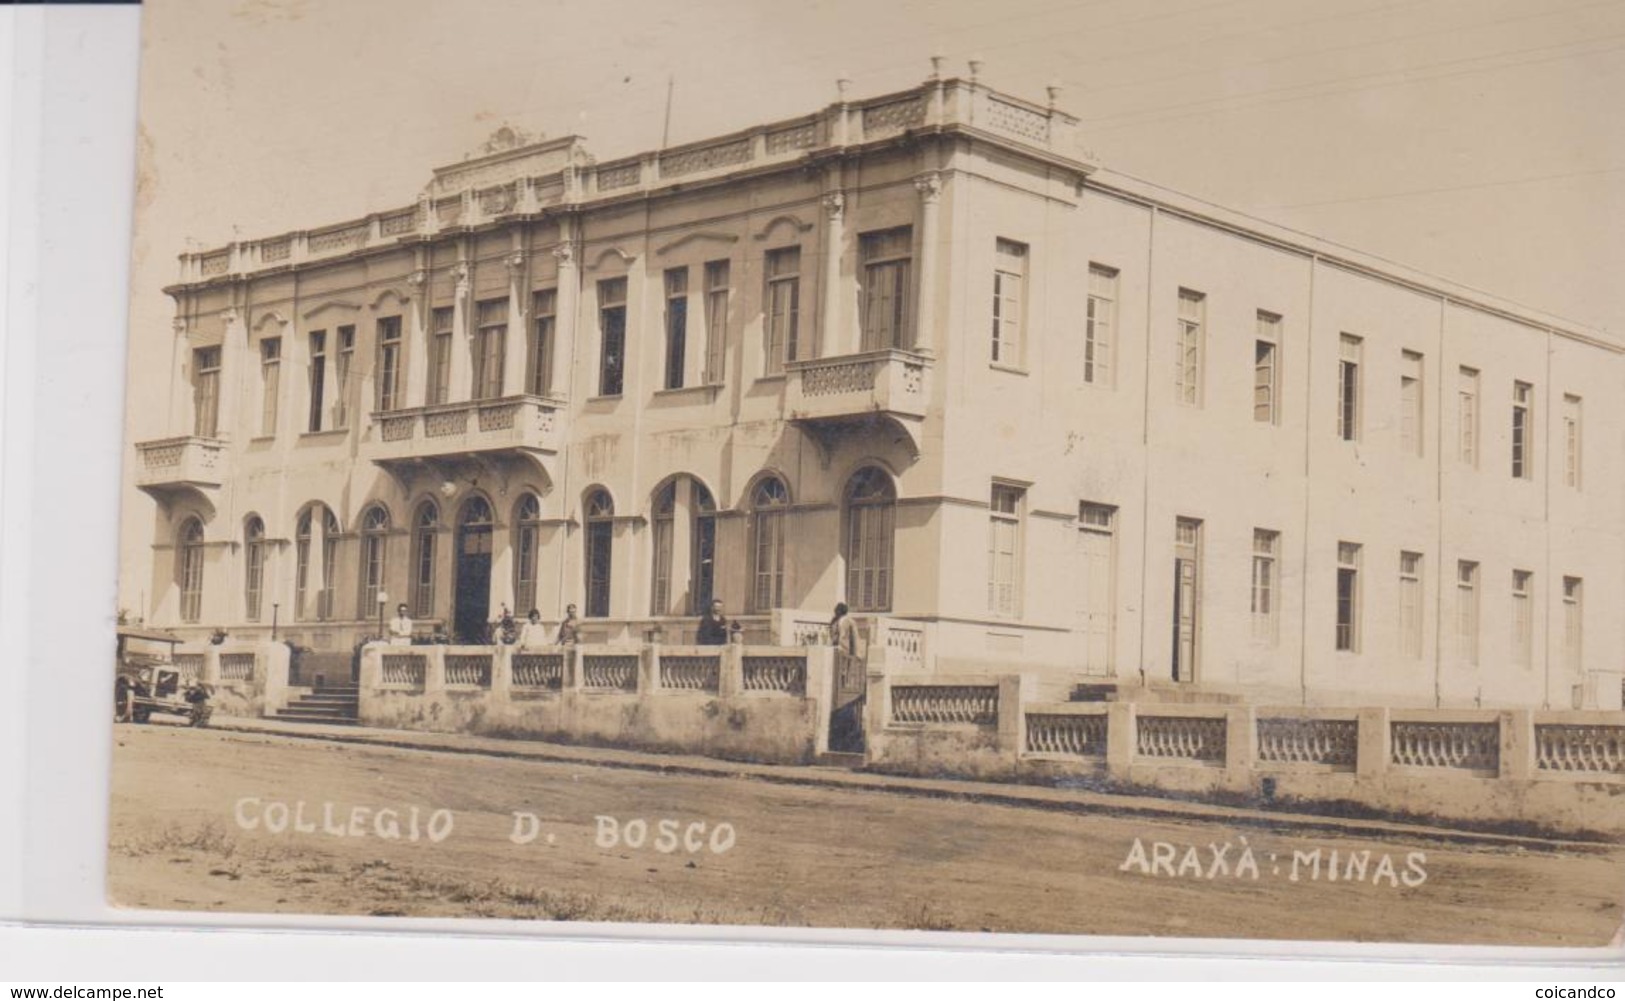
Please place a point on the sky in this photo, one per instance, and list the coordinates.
(1478, 140)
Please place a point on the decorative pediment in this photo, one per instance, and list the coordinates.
(707, 236)
(342, 305)
(792, 226)
(622, 258)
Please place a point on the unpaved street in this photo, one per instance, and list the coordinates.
(213, 820)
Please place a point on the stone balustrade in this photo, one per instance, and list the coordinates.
(891, 381)
(249, 678)
(184, 460)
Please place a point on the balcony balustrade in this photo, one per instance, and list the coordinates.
(180, 463)
(510, 424)
(845, 386)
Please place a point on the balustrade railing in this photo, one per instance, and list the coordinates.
(609, 672)
(978, 704)
(190, 666)
(1575, 748)
(403, 669)
(1467, 746)
(1067, 734)
(1190, 738)
(236, 667)
(1287, 740)
(539, 671)
(690, 673)
(774, 673)
(468, 669)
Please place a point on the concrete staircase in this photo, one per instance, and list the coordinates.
(340, 704)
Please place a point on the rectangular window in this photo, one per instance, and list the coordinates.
(318, 378)
(1187, 598)
(389, 363)
(1467, 416)
(1573, 624)
(612, 330)
(1266, 596)
(1523, 438)
(1523, 622)
(1467, 610)
(1571, 441)
(1009, 282)
(1410, 402)
(539, 363)
(716, 322)
(886, 314)
(1004, 550)
(270, 383)
(1188, 357)
(343, 372)
(490, 347)
(1348, 388)
(1348, 597)
(1100, 326)
(676, 326)
(1410, 604)
(438, 388)
(1267, 370)
(783, 310)
(1097, 579)
(206, 392)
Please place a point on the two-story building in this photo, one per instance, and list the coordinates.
(914, 353)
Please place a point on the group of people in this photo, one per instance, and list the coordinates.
(715, 629)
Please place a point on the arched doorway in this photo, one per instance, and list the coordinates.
(472, 609)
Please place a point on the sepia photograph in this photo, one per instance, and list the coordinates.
(1105, 468)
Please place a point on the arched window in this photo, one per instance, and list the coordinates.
(527, 517)
(374, 554)
(769, 502)
(701, 538)
(302, 583)
(663, 519)
(871, 503)
(330, 553)
(253, 567)
(598, 540)
(189, 569)
(425, 527)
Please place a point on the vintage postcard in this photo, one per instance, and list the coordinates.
(1098, 469)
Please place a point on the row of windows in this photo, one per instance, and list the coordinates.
(868, 503)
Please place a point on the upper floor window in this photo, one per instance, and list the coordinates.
(318, 378)
(389, 363)
(1004, 550)
(1571, 441)
(676, 326)
(1467, 415)
(1100, 326)
(490, 348)
(270, 383)
(1349, 349)
(206, 392)
(343, 374)
(716, 322)
(438, 388)
(1188, 350)
(886, 314)
(1410, 402)
(1009, 301)
(539, 365)
(1523, 438)
(1267, 369)
(612, 331)
(783, 308)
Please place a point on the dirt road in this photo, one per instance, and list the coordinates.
(210, 820)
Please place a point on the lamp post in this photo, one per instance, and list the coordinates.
(383, 600)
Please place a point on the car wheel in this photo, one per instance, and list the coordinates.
(140, 715)
(123, 702)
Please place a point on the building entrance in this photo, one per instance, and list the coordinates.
(471, 612)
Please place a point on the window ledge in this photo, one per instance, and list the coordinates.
(330, 433)
(1013, 370)
(614, 398)
(703, 389)
(261, 439)
(771, 377)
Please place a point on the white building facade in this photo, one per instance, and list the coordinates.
(916, 354)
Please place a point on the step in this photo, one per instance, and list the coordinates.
(842, 759)
(327, 700)
(311, 712)
(329, 720)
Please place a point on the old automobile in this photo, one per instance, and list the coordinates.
(149, 681)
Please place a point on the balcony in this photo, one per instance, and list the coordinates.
(849, 393)
(508, 427)
(181, 465)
